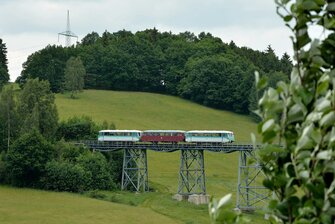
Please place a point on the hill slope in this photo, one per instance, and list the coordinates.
(133, 110)
(33, 206)
(138, 110)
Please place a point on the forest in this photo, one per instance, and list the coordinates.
(200, 68)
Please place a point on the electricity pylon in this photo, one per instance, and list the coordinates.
(68, 33)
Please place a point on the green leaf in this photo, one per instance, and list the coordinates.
(329, 23)
(304, 174)
(262, 83)
(324, 155)
(316, 135)
(323, 104)
(303, 155)
(224, 201)
(289, 169)
(288, 18)
(269, 136)
(304, 142)
(268, 125)
(268, 184)
(322, 87)
(256, 77)
(317, 60)
(302, 40)
(273, 204)
(295, 113)
(332, 135)
(328, 119)
(310, 5)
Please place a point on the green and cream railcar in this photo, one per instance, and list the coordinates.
(120, 135)
(209, 136)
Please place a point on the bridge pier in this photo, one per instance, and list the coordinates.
(192, 181)
(251, 194)
(135, 170)
(192, 172)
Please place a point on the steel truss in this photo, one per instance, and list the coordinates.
(135, 170)
(251, 194)
(191, 173)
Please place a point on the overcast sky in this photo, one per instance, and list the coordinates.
(29, 25)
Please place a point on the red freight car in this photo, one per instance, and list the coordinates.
(163, 136)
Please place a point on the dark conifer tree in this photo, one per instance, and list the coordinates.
(4, 75)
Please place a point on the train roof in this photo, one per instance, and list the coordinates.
(120, 131)
(165, 131)
(212, 131)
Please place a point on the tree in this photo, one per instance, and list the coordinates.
(27, 159)
(8, 115)
(90, 38)
(4, 76)
(37, 108)
(286, 64)
(74, 75)
(301, 116)
(47, 64)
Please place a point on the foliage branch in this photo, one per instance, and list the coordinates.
(301, 115)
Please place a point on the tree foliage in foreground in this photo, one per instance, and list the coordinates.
(301, 115)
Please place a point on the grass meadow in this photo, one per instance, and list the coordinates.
(137, 110)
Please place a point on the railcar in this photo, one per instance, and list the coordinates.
(163, 136)
(120, 135)
(209, 136)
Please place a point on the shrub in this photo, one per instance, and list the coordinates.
(96, 164)
(65, 176)
(77, 128)
(27, 158)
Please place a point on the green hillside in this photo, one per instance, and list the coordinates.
(138, 110)
(133, 110)
(33, 206)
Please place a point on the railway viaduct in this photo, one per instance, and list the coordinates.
(192, 181)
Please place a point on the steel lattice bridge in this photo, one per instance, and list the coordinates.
(250, 192)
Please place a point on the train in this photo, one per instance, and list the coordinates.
(166, 136)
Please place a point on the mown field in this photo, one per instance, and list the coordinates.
(133, 110)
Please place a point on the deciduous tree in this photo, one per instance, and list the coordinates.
(8, 116)
(37, 108)
(74, 76)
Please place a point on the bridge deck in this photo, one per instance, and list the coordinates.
(167, 147)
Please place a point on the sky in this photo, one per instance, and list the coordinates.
(27, 26)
